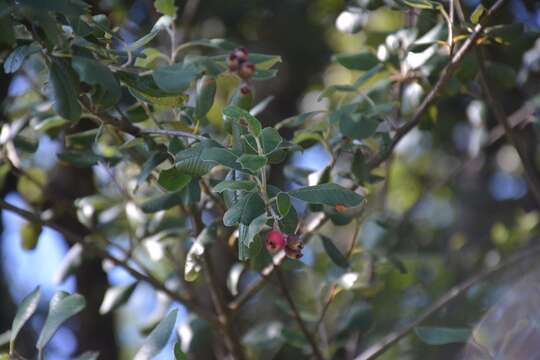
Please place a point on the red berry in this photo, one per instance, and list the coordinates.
(292, 253)
(340, 208)
(294, 242)
(275, 241)
(241, 54)
(233, 63)
(247, 70)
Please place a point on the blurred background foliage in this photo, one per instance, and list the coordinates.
(455, 200)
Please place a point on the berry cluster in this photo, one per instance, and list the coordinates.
(238, 63)
(276, 241)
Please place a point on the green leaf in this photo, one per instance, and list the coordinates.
(64, 92)
(252, 162)
(245, 210)
(178, 353)
(25, 311)
(115, 297)
(16, 58)
(247, 233)
(191, 160)
(221, 156)
(176, 145)
(70, 263)
(145, 89)
(237, 113)
(175, 78)
(478, 13)
(31, 185)
(362, 61)
(283, 203)
(432, 335)
(263, 61)
(357, 126)
(144, 40)
(270, 140)
(62, 307)
(333, 253)
(90, 71)
(79, 158)
(25, 144)
(162, 202)
(368, 75)
(153, 161)
(173, 179)
(264, 74)
(206, 90)
(235, 185)
(165, 7)
(327, 194)
(289, 222)
(50, 123)
(158, 338)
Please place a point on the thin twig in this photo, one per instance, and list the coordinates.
(314, 346)
(156, 284)
(498, 111)
(445, 76)
(231, 339)
(252, 289)
(378, 348)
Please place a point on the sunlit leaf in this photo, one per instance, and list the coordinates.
(61, 307)
(361, 61)
(25, 310)
(115, 297)
(16, 58)
(158, 338)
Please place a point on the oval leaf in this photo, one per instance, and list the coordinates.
(64, 92)
(175, 78)
(335, 255)
(116, 297)
(24, 312)
(61, 308)
(327, 194)
(158, 338)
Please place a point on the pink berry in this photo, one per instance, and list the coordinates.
(241, 54)
(233, 63)
(275, 241)
(247, 70)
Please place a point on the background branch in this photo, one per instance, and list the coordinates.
(155, 283)
(445, 76)
(381, 346)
